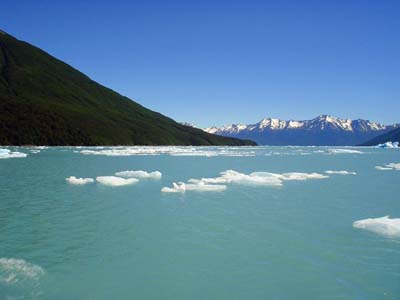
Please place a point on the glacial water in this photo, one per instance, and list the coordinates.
(276, 235)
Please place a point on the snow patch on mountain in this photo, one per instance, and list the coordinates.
(321, 122)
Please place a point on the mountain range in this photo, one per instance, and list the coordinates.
(44, 101)
(320, 131)
(391, 136)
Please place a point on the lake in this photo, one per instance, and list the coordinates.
(245, 223)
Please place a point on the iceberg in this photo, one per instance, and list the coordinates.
(115, 181)
(233, 177)
(168, 150)
(6, 153)
(258, 178)
(78, 181)
(388, 145)
(391, 166)
(182, 187)
(139, 174)
(343, 172)
(384, 226)
(344, 151)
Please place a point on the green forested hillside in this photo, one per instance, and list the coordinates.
(44, 101)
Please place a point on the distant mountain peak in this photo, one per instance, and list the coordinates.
(321, 121)
(323, 124)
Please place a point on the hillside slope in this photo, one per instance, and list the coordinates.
(44, 101)
(391, 136)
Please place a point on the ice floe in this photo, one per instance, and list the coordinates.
(213, 151)
(258, 178)
(234, 177)
(344, 151)
(319, 151)
(340, 172)
(171, 150)
(309, 151)
(383, 168)
(388, 145)
(231, 176)
(122, 178)
(139, 174)
(79, 181)
(13, 270)
(391, 166)
(179, 187)
(384, 226)
(300, 176)
(182, 187)
(6, 153)
(115, 181)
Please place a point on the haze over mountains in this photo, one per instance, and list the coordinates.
(320, 131)
(44, 101)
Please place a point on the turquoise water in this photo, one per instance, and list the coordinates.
(295, 240)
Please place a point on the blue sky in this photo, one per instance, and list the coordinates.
(218, 62)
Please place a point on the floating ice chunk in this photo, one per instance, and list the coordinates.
(301, 176)
(340, 172)
(231, 176)
(17, 154)
(388, 145)
(181, 187)
(391, 166)
(13, 270)
(170, 150)
(344, 151)
(394, 166)
(257, 178)
(384, 226)
(6, 153)
(139, 174)
(79, 181)
(203, 187)
(115, 181)
(382, 168)
(110, 152)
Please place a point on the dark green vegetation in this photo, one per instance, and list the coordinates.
(44, 101)
(391, 136)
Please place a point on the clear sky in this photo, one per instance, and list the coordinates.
(217, 62)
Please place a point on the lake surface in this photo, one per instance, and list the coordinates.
(261, 236)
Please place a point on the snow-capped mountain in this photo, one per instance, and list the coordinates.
(322, 130)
